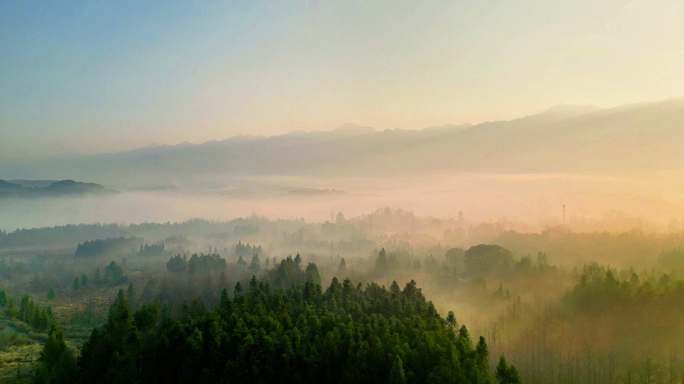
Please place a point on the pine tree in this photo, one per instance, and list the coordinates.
(381, 261)
(451, 320)
(51, 294)
(312, 274)
(507, 374)
(57, 364)
(130, 294)
(77, 285)
(342, 270)
(255, 264)
(482, 360)
(111, 352)
(396, 375)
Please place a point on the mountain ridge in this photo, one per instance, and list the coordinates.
(39, 189)
(563, 138)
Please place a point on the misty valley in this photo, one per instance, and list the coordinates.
(387, 296)
(526, 251)
(342, 192)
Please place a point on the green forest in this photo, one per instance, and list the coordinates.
(259, 300)
(342, 192)
(258, 334)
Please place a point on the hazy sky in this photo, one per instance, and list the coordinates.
(92, 76)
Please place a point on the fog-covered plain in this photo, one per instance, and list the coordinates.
(557, 237)
(620, 201)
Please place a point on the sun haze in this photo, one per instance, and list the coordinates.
(89, 77)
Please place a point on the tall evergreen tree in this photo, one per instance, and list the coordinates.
(342, 269)
(56, 363)
(396, 374)
(506, 374)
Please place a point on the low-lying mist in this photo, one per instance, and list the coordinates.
(528, 202)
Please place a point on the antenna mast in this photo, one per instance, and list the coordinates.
(563, 214)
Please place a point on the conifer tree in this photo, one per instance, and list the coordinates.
(57, 364)
(396, 375)
(342, 269)
(507, 374)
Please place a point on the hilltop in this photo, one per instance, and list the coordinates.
(31, 189)
(565, 138)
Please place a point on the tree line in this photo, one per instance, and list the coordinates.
(282, 329)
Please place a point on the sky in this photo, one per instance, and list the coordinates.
(105, 76)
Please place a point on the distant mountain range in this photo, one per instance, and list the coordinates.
(31, 189)
(566, 138)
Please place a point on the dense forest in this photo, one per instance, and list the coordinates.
(101, 247)
(342, 192)
(372, 298)
(16, 189)
(347, 333)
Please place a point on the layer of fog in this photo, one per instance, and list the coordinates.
(593, 202)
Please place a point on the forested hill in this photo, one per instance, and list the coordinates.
(265, 334)
(562, 139)
(32, 189)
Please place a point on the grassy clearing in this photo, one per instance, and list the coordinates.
(19, 350)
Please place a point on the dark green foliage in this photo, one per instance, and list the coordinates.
(381, 262)
(246, 249)
(506, 374)
(177, 264)
(385, 263)
(151, 250)
(312, 274)
(673, 259)
(65, 234)
(396, 374)
(451, 320)
(343, 335)
(342, 269)
(112, 353)
(130, 294)
(206, 263)
(11, 308)
(241, 262)
(255, 265)
(28, 312)
(114, 274)
(77, 284)
(290, 273)
(107, 246)
(84, 280)
(482, 360)
(146, 317)
(455, 257)
(484, 259)
(57, 364)
(600, 295)
(51, 294)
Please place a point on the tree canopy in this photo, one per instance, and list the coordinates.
(299, 334)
